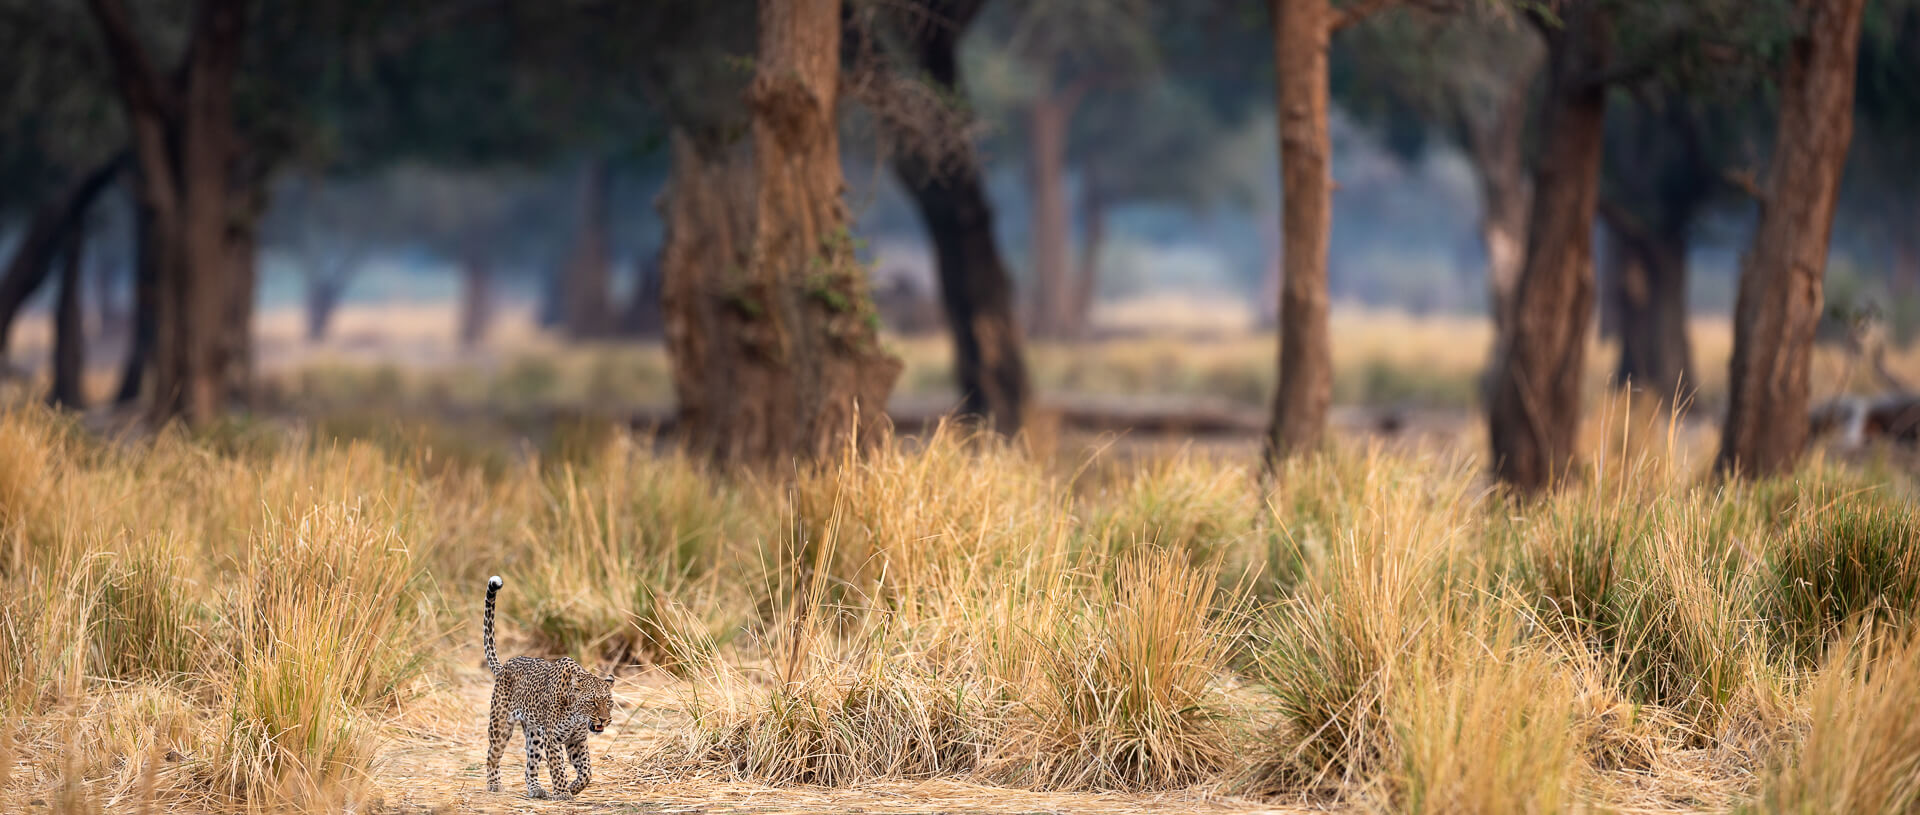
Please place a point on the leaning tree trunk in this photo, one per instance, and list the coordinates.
(1534, 414)
(1646, 301)
(50, 228)
(1779, 302)
(1299, 420)
(585, 291)
(1047, 176)
(69, 330)
(778, 362)
(975, 289)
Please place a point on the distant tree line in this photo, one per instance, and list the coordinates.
(1639, 116)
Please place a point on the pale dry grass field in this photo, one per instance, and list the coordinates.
(403, 355)
(265, 617)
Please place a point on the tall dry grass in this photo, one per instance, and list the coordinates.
(228, 621)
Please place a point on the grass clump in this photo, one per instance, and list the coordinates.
(1861, 752)
(1838, 564)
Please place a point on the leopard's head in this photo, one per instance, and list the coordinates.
(593, 699)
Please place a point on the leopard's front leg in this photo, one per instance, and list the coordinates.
(582, 764)
(557, 766)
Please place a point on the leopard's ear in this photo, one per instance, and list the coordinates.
(609, 678)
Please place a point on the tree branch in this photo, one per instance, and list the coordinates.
(132, 67)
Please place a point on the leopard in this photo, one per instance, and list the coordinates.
(556, 702)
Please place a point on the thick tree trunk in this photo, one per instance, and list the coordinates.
(585, 293)
(1779, 302)
(1047, 123)
(975, 290)
(1093, 231)
(708, 210)
(1534, 414)
(51, 227)
(1299, 419)
(185, 144)
(476, 299)
(779, 362)
(69, 330)
(1646, 300)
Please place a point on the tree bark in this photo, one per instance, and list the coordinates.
(1047, 121)
(1646, 299)
(69, 329)
(185, 144)
(976, 292)
(1779, 302)
(585, 294)
(779, 362)
(1299, 419)
(51, 227)
(1534, 414)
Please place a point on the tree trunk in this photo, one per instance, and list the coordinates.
(777, 362)
(586, 291)
(146, 307)
(51, 227)
(1534, 414)
(323, 298)
(1779, 302)
(69, 330)
(476, 299)
(1267, 312)
(642, 316)
(1497, 148)
(1047, 177)
(185, 144)
(233, 350)
(1301, 29)
(976, 292)
(1093, 214)
(1646, 296)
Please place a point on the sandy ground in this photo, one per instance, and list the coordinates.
(434, 762)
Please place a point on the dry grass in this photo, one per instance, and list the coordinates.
(241, 621)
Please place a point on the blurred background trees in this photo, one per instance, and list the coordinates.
(604, 167)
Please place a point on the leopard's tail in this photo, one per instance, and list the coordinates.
(486, 627)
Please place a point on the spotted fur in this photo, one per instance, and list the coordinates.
(555, 702)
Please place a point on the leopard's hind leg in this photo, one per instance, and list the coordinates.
(499, 731)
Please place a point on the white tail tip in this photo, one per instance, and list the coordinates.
(494, 582)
